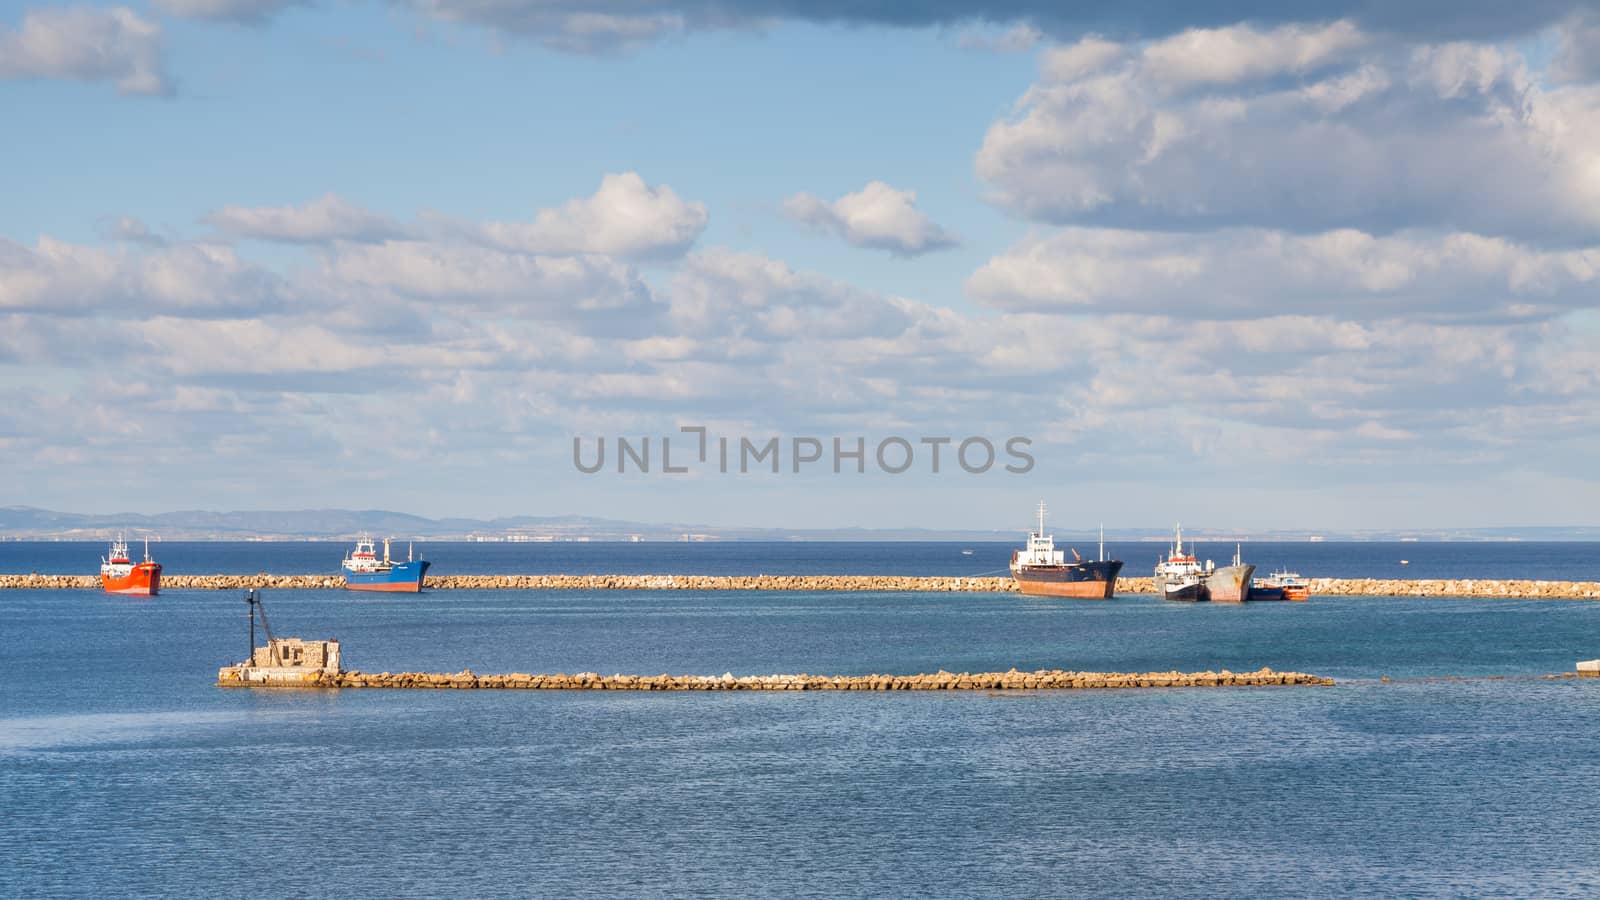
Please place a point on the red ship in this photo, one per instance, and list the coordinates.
(121, 575)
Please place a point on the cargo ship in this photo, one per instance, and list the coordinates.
(1180, 576)
(119, 574)
(1281, 586)
(1231, 583)
(363, 571)
(1042, 570)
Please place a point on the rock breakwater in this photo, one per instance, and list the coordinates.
(1013, 680)
(1348, 587)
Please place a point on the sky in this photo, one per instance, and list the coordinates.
(1239, 264)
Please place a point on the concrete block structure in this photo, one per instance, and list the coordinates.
(287, 662)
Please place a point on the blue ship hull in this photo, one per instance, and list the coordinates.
(401, 577)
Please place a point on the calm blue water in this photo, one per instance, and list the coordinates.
(1559, 561)
(124, 772)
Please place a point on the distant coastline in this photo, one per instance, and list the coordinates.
(24, 523)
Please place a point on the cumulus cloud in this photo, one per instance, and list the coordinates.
(250, 12)
(1258, 272)
(130, 229)
(87, 44)
(553, 287)
(1302, 128)
(726, 293)
(1224, 55)
(625, 217)
(199, 280)
(328, 218)
(877, 216)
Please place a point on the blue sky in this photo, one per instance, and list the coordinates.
(1333, 269)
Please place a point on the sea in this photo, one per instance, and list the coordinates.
(1444, 762)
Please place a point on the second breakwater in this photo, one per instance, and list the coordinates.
(1348, 587)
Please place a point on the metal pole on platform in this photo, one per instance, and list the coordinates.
(250, 599)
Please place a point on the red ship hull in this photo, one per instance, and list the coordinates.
(390, 587)
(144, 580)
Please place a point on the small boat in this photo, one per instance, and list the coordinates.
(966, 553)
(363, 571)
(119, 574)
(1281, 586)
(1042, 570)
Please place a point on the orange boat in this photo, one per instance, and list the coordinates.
(121, 575)
(1281, 586)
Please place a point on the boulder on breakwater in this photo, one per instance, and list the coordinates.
(1043, 679)
(1358, 587)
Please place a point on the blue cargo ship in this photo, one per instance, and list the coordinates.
(363, 571)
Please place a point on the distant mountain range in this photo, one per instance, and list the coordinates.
(29, 523)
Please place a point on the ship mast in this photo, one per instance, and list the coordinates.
(1102, 542)
(1040, 532)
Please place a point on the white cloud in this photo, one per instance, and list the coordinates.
(131, 230)
(1261, 272)
(625, 218)
(877, 216)
(719, 292)
(327, 218)
(1240, 52)
(512, 283)
(1300, 128)
(257, 346)
(203, 280)
(243, 11)
(87, 44)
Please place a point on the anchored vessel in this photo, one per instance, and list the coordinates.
(1231, 583)
(1281, 586)
(119, 574)
(1041, 569)
(1181, 577)
(363, 571)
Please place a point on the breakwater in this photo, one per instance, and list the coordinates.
(1347, 587)
(1044, 679)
